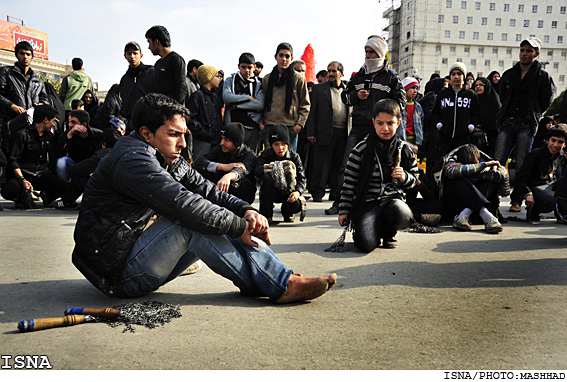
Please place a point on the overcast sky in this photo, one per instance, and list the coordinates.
(216, 31)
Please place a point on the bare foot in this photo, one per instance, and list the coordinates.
(306, 288)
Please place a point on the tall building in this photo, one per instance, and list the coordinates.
(427, 36)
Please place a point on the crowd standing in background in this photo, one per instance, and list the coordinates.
(361, 139)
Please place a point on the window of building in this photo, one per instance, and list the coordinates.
(449, 4)
(540, 23)
(564, 53)
(444, 61)
(481, 50)
(408, 35)
(463, 5)
(506, 7)
(486, 62)
(504, 37)
(475, 35)
(494, 50)
(520, 7)
(554, 24)
(477, 5)
(518, 37)
(447, 34)
(556, 65)
(484, 21)
(461, 34)
(469, 20)
(489, 37)
(562, 78)
(473, 62)
(409, 5)
(441, 18)
(512, 22)
(467, 49)
(509, 51)
(549, 9)
(492, 6)
(546, 38)
(452, 49)
(563, 10)
(438, 48)
(534, 8)
(406, 49)
(455, 19)
(550, 53)
(501, 63)
(526, 23)
(560, 39)
(498, 21)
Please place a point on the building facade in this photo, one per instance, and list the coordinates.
(427, 36)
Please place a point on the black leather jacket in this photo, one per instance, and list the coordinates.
(16, 89)
(129, 186)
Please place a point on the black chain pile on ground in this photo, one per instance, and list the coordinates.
(420, 228)
(339, 244)
(149, 314)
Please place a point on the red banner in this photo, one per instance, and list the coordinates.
(11, 34)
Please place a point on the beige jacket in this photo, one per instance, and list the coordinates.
(300, 103)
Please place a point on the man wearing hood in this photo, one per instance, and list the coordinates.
(375, 81)
(75, 84)
(137, 82)
(526, 91)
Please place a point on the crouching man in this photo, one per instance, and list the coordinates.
(144, 175)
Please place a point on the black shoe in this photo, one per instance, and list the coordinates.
(390, 242)
(317, 199)
(332, 211)
(289, 219)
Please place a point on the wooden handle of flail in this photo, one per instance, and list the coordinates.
(102, 313)
(48, 323)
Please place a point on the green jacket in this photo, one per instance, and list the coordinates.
(74, 86)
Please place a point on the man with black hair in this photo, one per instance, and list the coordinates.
(31, 161)
(526, 91)
(286, 98)
(535, 180)
(169, 75)
(138, 80)
(231, 165)
(258, 70)
(123, 255)
(75, 84)
(76, 144)
(192, 81)
(20, 87)
(327, 129)
(322, 76)
(244, 100)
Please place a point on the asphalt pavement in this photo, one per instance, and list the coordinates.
(444, 301)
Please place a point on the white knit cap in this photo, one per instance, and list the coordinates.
(458, 66)
(378, 45)
(409, 82)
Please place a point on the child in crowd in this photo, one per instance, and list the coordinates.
(77, 104)
(411, 127)
(206, 117)
(283, 180)
(378, 171)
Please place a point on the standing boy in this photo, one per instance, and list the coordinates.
(244, 99)
(379, 169)
(286, 97)
(138, 80)
(411, 128)
(205, 108)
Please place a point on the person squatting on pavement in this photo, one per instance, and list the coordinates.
(144, 175)
(378, 171)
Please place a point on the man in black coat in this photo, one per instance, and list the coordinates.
(327, 129)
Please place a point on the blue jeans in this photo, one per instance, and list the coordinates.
(63, 165)
(511, 134)
(165, 250)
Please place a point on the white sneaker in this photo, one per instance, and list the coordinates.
(462, 223)
(492, 225)
(194, 268)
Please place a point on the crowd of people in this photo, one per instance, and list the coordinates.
(180, 150)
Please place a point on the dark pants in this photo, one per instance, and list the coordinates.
(420, 206)
(544, 198)
(244, 188)
(463, 193)
(53, 186)
(380, 220)
(252, 138)
(74, 189)
(269, 195)
(327, 162)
